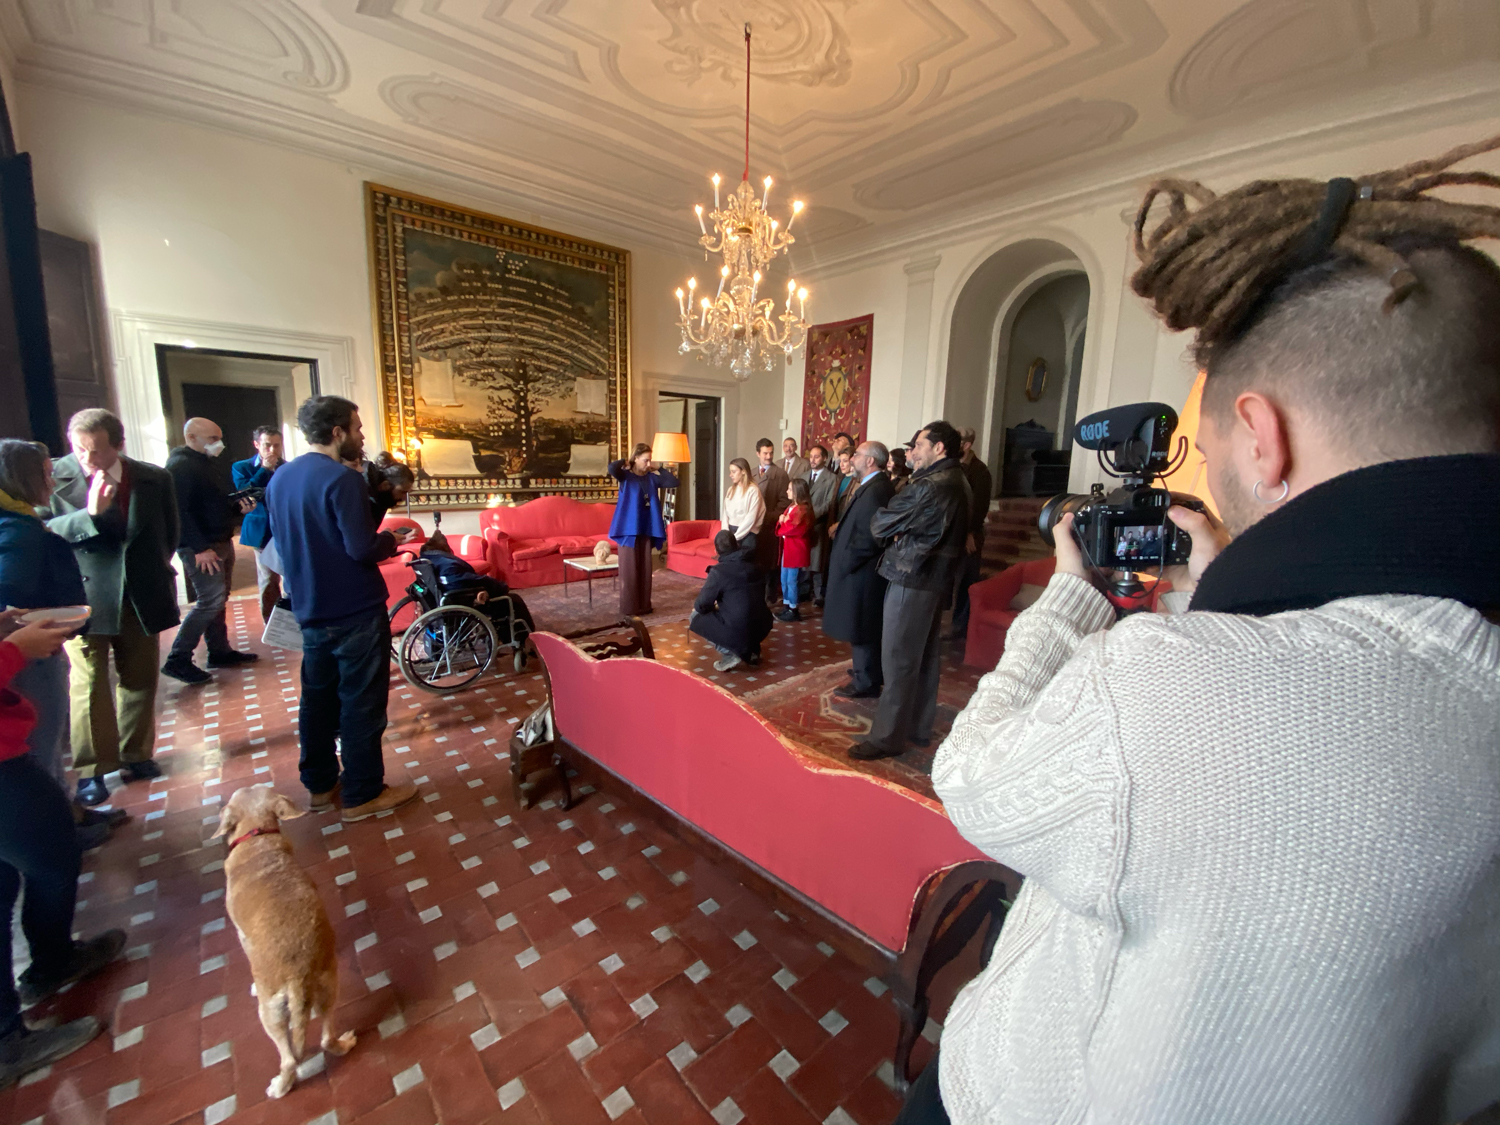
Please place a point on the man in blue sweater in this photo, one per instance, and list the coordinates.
(330, 551)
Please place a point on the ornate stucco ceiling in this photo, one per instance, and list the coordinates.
(886, 115)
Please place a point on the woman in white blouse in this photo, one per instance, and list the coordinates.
(744, 507)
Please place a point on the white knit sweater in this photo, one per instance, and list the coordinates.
(1262, 861)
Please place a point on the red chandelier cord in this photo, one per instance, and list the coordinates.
(747, 101)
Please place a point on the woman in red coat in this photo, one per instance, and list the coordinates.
(795, 527)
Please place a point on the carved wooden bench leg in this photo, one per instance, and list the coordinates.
(953, 906)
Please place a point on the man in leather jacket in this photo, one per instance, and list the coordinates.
(926, 525)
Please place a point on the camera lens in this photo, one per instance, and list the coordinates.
(1054, 510)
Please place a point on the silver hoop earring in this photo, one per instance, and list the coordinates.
(1285, 488)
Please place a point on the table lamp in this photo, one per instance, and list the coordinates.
(670, 448)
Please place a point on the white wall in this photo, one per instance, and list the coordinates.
(197, 225)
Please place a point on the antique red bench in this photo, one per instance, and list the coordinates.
(896, 886)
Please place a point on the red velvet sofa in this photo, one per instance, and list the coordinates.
(471, 548)
(528, 543)
(690, 546)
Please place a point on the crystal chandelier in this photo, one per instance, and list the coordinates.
(739, 326)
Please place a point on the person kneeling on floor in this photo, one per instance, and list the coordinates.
(731, 611)
(455, 575)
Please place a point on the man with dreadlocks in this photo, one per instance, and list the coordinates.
(1261, 839)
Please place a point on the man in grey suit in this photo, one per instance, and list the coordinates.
(120, 515)
(823, 482)
(793, 465)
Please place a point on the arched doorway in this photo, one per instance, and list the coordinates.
(1026, 301)
(1036, 388)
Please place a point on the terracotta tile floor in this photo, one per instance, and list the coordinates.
(499, 965)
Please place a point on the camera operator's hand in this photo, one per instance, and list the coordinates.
(247, 505)
(1209, 538)
(1069, 556)
(402, 534)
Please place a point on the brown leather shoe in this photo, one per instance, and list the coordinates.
(322, 802)
(391, 797)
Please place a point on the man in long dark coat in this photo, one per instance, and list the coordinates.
(855, 605)
(823, 481)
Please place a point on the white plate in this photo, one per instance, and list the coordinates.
(59, 614)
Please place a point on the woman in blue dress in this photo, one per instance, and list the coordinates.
(638, 526)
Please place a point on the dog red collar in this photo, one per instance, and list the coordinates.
(254, 832)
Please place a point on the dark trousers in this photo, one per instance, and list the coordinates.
(968, 574)
(924, 1103)
(345, 685)
(867, 674)
(38, 844)
(205, 621)
(909, 660)
(635, 578)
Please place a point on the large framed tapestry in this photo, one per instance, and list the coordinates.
(503, 351)
(836, 388)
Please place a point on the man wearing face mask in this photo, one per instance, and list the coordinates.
(206, 551)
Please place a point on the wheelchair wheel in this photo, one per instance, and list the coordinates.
(406, 607)
(447, 648)
(518, 658)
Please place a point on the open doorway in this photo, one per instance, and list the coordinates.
(238, 390)
(1036, 387)
(699, 417)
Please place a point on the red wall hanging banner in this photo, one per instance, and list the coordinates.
(836, 389)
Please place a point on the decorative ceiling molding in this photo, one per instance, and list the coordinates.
(1060, 133)
(1269, 49)
(897, 120)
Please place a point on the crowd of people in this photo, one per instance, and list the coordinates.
(884, 548)
(92, 537)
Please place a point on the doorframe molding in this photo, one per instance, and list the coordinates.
(653, 385)
(138, 389)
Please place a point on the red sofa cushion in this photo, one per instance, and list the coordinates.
(523, 549)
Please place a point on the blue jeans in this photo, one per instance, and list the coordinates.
(45, 684)
(791, 582)
(345, 685)
(37, 844)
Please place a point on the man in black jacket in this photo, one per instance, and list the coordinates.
(981, 484)
(730, 611)
(855, 603)
(206, 551)
(926, 525)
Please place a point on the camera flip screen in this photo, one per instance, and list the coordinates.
(1138, 543)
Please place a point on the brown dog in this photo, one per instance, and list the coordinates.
(282, 928)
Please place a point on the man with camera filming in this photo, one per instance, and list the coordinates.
(1261, 838)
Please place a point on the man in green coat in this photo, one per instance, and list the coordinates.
(120, 515)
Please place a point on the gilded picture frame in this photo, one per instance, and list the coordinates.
(503, 352)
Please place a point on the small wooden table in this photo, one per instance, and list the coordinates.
(590, 568)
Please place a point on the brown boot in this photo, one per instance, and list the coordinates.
(391, 797)
(322, 802)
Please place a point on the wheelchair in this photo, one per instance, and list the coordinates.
(452, 642)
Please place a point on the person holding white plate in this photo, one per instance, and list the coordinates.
(38, 572)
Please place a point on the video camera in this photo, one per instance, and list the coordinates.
(1127, 528)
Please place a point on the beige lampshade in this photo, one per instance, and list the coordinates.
(667, 447)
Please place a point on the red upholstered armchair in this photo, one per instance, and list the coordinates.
(690, 546)
(990, 612)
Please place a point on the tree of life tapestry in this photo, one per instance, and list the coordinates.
(503, 353)
(836, 389)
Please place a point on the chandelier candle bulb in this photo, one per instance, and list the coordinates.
(766, 195)
(716, 193)
(698, 210)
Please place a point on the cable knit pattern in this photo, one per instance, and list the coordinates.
(1262, 861)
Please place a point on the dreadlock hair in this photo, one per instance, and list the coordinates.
(1355, 299)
